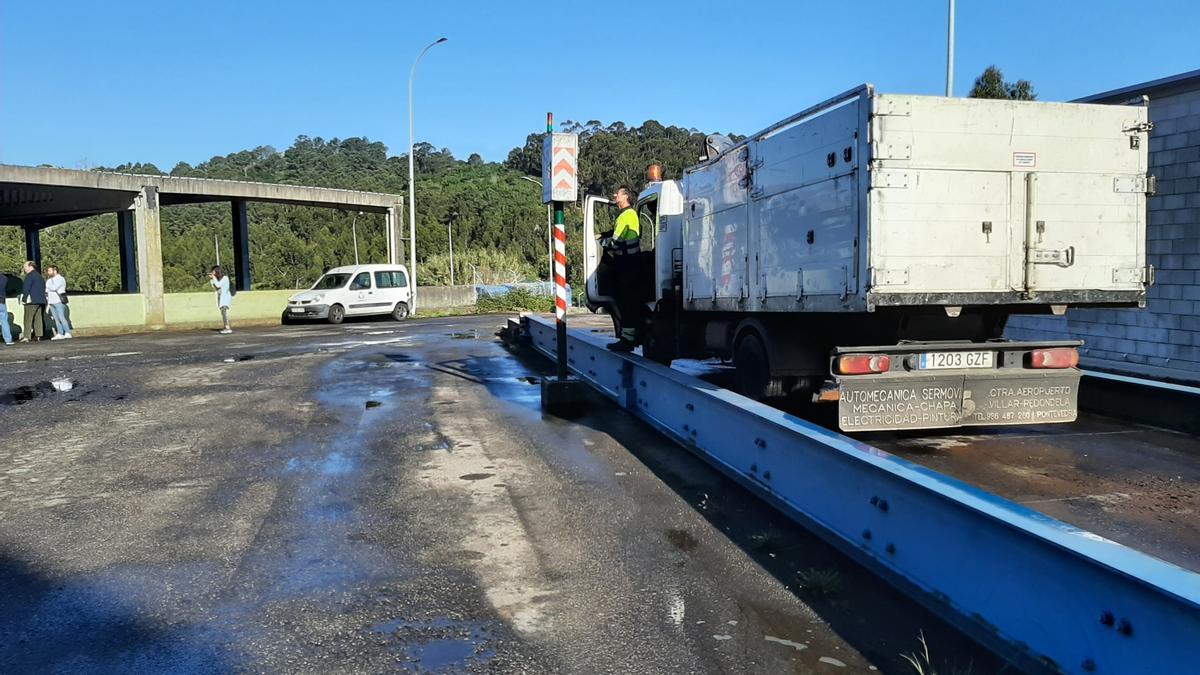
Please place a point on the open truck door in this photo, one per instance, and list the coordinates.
(598, 293)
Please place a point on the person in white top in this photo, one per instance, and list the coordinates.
(220, 281)
(56, 296)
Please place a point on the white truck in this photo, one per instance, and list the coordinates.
(870, 249)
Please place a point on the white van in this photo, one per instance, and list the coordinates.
(353, 290)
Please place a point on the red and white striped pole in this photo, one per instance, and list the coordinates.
(560, 275)
(560, 287)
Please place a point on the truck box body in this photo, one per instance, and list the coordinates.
(871, 200)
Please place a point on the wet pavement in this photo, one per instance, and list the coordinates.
(1136, 485)
(380, 497)
(1132, 483)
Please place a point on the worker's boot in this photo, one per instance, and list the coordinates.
(622, 345)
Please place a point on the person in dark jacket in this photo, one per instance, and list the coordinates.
(33, 294)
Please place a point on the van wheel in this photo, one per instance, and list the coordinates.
(753, 373)
(401, 311)
(337, 314)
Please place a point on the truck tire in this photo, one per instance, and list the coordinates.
(752, 370)
(337, 314)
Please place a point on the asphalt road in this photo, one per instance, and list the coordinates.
(382, 496)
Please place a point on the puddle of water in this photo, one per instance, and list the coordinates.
(441, 645)
(682, 540)
(337, 464)
(28, 392)
(476, 476)
(441, 654)
(464, 335)
(373, 404)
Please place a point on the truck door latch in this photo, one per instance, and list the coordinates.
(1044, 256)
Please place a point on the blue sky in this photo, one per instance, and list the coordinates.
(91, 83)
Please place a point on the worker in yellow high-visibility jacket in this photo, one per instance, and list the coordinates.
(625, 243)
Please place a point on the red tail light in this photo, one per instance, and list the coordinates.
(863, 364)
(1059, 357)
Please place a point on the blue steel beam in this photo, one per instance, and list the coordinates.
(1046, 594)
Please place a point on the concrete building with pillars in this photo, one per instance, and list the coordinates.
(34, 198)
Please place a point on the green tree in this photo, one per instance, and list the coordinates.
(991, 84)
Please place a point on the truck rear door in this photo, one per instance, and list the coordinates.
(976, 201)
(1086, 231)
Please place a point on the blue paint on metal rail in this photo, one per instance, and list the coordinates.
(1047, 594)
(1142, 382)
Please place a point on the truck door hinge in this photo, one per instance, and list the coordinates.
(882, 178)
(1147, 185)
(1134, 275)
(896, 107)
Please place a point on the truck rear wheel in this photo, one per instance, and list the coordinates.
(752, 370)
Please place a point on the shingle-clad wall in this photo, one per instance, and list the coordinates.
(1162, 340)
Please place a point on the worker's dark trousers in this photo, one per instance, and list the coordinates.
(629, 308)
(35, 322)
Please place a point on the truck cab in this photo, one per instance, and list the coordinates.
(649, 273)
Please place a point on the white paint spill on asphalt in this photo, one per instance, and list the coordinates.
(832, 661)
(798, 646)
(676, 609)
(62, 384)
(123, 354)
(722, 637)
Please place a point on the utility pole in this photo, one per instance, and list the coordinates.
(450, 236)
(549, 231)
(950, 53)
(412, 189)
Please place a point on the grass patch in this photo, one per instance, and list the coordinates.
(516, 300)
(922, 662)
(820, 581)
(761, 540)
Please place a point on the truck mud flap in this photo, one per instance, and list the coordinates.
(943, 400)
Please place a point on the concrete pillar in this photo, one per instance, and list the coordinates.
(392, 221)
(33, 243)
(241, 246)
(148, 235)
(126, 242)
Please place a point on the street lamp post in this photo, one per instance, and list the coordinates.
(950, 52)
(549, 230)
(412, 190)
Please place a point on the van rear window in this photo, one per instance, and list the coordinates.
(390, 280)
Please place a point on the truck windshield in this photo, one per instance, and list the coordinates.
(331, 281)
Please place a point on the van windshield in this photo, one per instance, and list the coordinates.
(330, 282)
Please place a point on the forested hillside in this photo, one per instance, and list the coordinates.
(498, 220)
